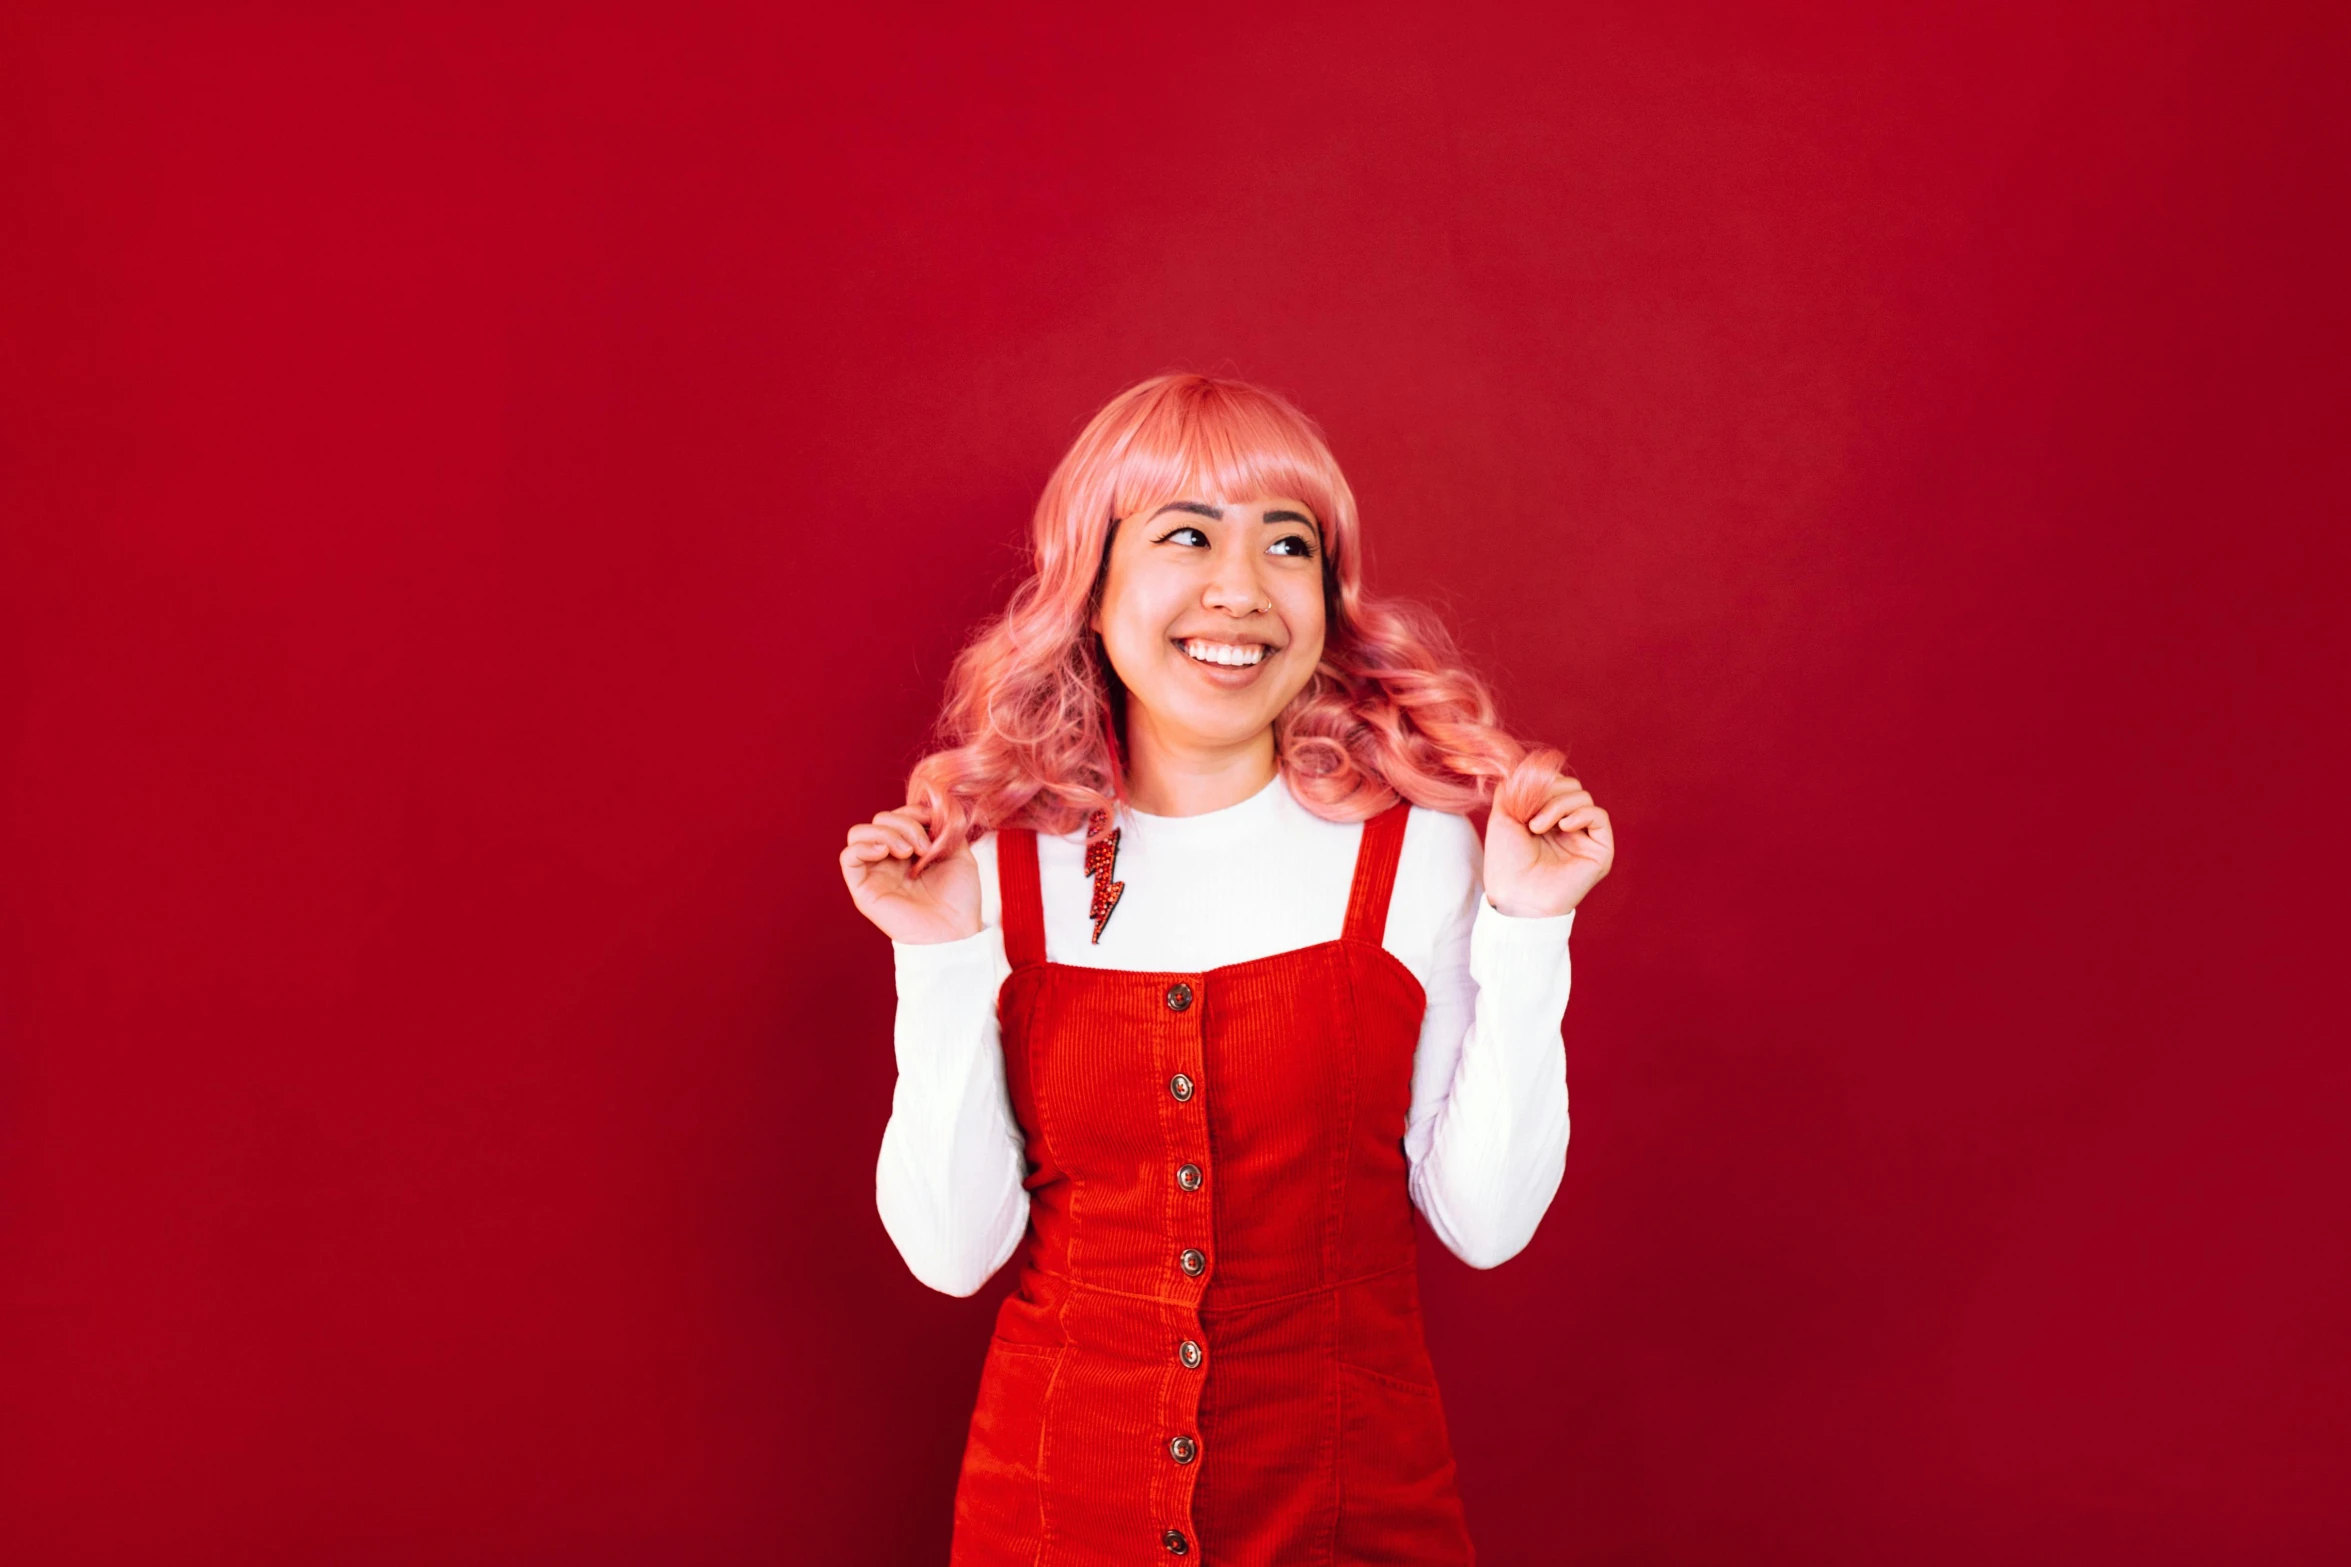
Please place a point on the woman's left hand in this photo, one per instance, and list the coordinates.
(1545, 864)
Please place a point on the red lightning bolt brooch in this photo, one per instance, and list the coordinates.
(1101, 858)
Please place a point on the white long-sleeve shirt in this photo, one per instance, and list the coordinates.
(1485, 1138)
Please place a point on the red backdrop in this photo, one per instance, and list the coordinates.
(490, 497)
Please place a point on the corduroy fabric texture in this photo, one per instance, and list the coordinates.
(1310, 1430)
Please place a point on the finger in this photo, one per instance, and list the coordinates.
(865, 850)
(858, 861)
(901, 840)
(910, 824)
(1560, 805)
(1554, 808)
(1582, 816)
(888, 841)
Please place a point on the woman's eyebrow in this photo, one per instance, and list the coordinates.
(1203, 509)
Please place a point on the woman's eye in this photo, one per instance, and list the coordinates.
(1298, 546)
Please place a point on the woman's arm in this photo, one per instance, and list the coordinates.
(948, 1182)
(1486, 1137)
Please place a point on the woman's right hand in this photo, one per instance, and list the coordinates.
(942, 905)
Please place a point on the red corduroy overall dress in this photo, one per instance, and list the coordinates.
(1215, 1351)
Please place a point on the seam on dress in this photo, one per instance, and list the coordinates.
(1221, 1309)
(1045, 1428)
(1401, 1384)
(1340, 1125)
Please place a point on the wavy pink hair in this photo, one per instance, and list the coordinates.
(1031, 721)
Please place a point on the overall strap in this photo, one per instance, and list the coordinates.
(1375, 874)
(1022, 894)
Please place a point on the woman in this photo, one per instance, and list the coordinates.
(1203, 982)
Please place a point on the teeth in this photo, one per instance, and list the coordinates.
(1220, 653)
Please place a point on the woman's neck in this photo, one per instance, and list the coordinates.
(1167, 781)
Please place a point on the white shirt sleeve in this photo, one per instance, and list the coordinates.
(948, 1183)
(1486, 1136)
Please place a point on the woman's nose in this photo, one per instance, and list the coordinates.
(1234, 587)
(1238, 594)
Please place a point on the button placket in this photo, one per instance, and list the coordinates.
(1193, 1234)
(1183, 1086)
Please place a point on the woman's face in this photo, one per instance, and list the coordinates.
(1237, 580)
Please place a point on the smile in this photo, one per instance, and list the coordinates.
(1226, 653)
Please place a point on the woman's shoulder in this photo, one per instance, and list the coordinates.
(1442, 855)
(983, 857)
(1432, 826)
(1057, 855)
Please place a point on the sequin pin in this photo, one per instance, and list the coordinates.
(1101, 858)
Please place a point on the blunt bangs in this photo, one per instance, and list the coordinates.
(1210, 442)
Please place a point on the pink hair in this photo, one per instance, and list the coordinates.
(1030, 720)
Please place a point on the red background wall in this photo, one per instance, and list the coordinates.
(489, 497)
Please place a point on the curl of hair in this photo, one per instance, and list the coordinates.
(1030, 729)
